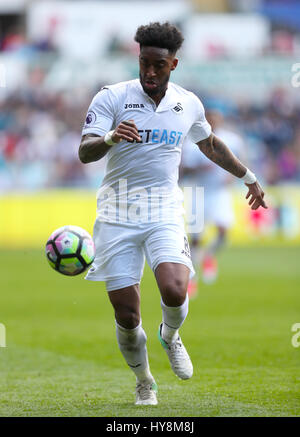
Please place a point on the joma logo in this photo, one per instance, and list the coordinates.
(134, 105)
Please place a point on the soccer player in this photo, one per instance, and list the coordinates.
(198, 170)
(140, 126)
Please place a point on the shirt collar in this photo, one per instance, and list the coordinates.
(166, 102)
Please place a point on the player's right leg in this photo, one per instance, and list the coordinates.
(119, 262)
(132, 341)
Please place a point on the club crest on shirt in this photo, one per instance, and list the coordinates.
(90, 118)
(178, 108)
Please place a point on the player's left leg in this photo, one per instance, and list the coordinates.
(172, 280)
(167, 252)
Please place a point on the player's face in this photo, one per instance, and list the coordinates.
(156, 65)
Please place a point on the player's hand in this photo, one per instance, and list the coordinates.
(126, 130)
(256, 195)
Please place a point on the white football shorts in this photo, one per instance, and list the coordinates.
(121, 250)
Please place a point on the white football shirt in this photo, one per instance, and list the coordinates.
(141, 178)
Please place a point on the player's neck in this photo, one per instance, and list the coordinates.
(158, 98)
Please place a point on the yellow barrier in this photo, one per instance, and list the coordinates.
(277, 225)
(27, 220)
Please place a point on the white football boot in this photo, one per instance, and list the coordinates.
(179, 358)
(146, 393)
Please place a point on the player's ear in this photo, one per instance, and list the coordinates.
(174, 64)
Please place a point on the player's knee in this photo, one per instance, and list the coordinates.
(174, 292)
(127, 318)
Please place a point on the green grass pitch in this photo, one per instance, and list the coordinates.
(62, 357)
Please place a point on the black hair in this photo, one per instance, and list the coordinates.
(162, 35)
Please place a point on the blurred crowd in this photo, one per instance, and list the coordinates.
(40, 129)
(271, 134)
(40, 132)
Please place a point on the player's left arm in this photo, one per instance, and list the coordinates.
(219, 153)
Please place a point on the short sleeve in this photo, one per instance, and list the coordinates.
(200, 129)
(100, 116)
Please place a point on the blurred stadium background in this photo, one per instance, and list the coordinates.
(241, 56)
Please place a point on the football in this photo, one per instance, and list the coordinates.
(70, 250)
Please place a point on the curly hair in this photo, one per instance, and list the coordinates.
(162, 35)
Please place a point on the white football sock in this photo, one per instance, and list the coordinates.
(132, 344)
(173, 318)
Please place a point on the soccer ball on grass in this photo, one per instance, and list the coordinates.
(70, 250)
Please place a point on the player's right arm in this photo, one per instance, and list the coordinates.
(93, 147)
